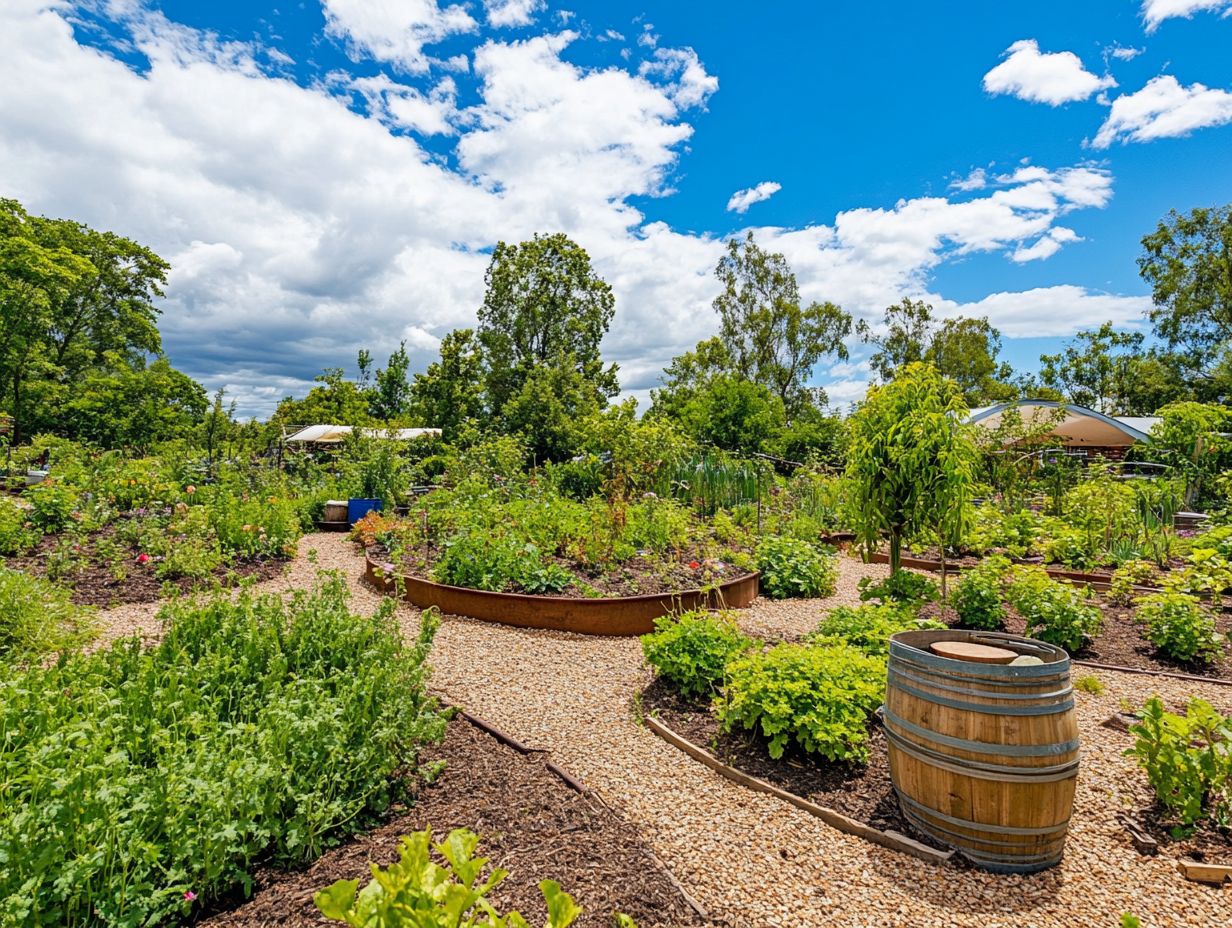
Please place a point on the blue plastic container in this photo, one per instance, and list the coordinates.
(358, 508)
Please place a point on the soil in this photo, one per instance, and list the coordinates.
(1119, 642)
(862, 792)
(529, 822)
(93, 583)
(638, 576)
(1208, 843)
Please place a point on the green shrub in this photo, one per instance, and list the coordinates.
(17, 533)
(1126, 577)
(37, 618)
(1090, 684)
(902, 586)
(416, 892)
(1055, 612)
(257, 732)
(254, 525)
(1177, 624)
(869, 627)
(52, 506)
(1187, 759)
(818, 698)
(977, 595)
(691, 651)
(790, 567)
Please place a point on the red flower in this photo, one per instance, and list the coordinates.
(143, 558)
(694, 564)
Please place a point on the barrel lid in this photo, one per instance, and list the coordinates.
(970, 651)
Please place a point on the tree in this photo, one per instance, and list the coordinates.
(134, 405)
(733, 414)
(450, 391)
(769, 338)
(911, 461)
(391, 392)
(962, 349)
(1187, 261)
(544, 305)
(688, 374)
(1192, 437)
(337, 401)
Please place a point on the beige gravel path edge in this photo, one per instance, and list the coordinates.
(753, 860)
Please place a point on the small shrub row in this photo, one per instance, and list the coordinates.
(791, 567)
(691, 651)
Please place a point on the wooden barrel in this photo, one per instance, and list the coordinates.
(984, 757)
(335, 511)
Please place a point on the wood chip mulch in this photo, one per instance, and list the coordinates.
(529, 823)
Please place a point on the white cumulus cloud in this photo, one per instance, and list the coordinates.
(513, 12)
(1043, 77)
(1164, 108)
(395, 31)
(741, 200)
(1155, 12)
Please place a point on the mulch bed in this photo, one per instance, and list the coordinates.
(529, 822)
(93, 583)
(863, 793)
(1119, 642)
(638, 576)
(1207, 843)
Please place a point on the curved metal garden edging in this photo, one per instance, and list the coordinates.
(616, 615)
(888, 839)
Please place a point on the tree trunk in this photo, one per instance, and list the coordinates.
(896, 551)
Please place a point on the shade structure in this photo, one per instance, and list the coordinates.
(332, 434)
(1075, 426)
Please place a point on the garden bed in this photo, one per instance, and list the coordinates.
(615, 615)
(860, 792)
(94, 580)
(529, 821)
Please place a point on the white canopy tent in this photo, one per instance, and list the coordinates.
(1076, 426)
(333, 434)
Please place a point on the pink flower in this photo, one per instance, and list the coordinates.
(190, 489)
(189, 896)
(143, 558)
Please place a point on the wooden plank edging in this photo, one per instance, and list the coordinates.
(887, 839)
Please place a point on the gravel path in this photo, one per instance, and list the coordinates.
(752, 860)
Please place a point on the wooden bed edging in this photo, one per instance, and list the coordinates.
(1169, 674)
(616, 615)
(887, 839)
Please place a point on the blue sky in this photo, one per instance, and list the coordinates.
(330, 175)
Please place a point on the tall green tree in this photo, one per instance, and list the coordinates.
(544, 306)
(911, 461)
(961, 348)
(769, 338)
(134, 405)
(1187, 261)
(450, 392)
(391, 391)
(334, 401)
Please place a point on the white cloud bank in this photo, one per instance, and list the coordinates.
(1164, 108)
(1155, 12)
(300, 230)
(502, 13)
(741, 200)
(1043, 77)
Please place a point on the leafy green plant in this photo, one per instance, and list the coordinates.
(868, 627)
(17, 532)
(257, 730)
(904, 586)
(1089, 683)
(1129, 575)
(790, 567)
(1187, 759)
(52, 506)
(1177, 624)
(817, 698)
(417, 892)
(1057, 613)
(691, 651)
(38, 618)
(977, 595)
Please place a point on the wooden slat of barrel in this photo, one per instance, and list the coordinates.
(983, 756)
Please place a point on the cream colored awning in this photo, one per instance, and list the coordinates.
(1079, 427)
(332, 434)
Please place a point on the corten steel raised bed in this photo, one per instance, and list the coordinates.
(617, 615)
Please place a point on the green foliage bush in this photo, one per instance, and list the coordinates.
(817, 698)
(257, 731)
(902, 586)
(254, 524)
(977, 595)
(38, 618)
(691, 651)
(17, 533)
(992, 529)
(868, 627)
(1055, 612)
(1177, 624)
(1125, 578)
(790, 567)
(52, 506)
(1187, 759)
(417, 892)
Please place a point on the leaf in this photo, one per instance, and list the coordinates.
(336, 901)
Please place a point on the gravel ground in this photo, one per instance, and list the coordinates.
(750, 859)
